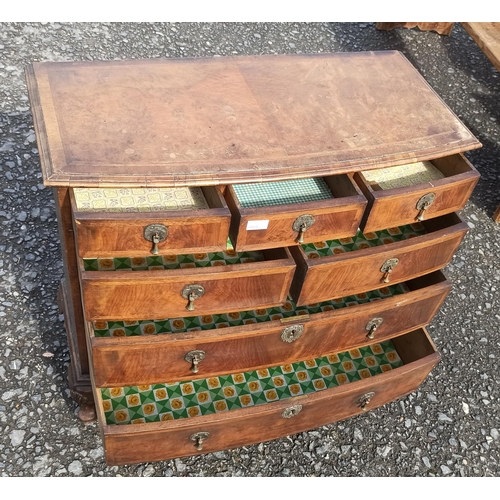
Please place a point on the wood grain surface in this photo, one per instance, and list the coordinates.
(126, 444)
(208, 121)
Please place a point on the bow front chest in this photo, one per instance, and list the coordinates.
(252, 246)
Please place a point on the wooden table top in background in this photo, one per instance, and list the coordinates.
(209, 121)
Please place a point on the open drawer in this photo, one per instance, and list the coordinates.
(147, 352)
(417, 191)
(171, 285)
(285, 213)
(148, 423)
(335, 268)
(115, 222)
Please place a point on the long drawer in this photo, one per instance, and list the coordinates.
(126, 290)
(148, 352)
(238, 417)
(330, 269)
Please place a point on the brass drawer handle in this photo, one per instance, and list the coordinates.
(194, 357)
(291, 411)
(387, 268)
(423, 204)
(301, 225)
(198, 438)
(191, 293)
(292, 333)
(155, 233)
(372, 326)
(365, 399)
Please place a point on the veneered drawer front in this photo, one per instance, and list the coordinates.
(279, 225)
(152, 359)
(126, 444)
(399, 206)
(355, 272)
(120, 234)
(157, 294)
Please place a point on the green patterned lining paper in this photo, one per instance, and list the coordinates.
(192, 398)
(403, 175)
(361, 241)
(139, 199)
(280, 193)
(212, 321)
(229, 256)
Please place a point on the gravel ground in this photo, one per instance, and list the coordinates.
(449, 427)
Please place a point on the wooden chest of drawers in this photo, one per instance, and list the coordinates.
(252, 246)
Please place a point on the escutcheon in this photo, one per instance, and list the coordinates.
(292, 333)
(291, 411)
(365, 399)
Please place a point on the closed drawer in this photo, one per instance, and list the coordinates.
(206, 415)
(148, 352)
(276, 214)
(410, 193)
(122, 222)
(336, 268)
(172, 285)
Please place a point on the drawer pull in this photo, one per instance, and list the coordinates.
(194, 357)
(291, 411)
(387, 268)
(191, 293)
(301, 224)
(155, 233)
(423, 204)
(198, 438)
(365, 399)
(292, 333)
(371, 326)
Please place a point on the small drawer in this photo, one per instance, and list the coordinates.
(172, 285)
(335, 268)
(147, 423)
(122, 222)
(277, 214)
(415, 192)
(149, 352)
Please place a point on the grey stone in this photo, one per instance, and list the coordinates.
(16, 437)
(75, 468)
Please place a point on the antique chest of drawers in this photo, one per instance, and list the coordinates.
(252, 246)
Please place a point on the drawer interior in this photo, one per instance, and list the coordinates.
(174, 261)
(413, 174)
(295, 191)
(141, 199)
(363, 240)
(213, 321)
(205, 396)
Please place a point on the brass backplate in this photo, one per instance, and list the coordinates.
(389, 265)
(426, 201)
(193, 291)
(374, 323)
(159, 229)
(303, 222)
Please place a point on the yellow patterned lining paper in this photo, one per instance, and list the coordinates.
(403, 175)
(139, 199)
